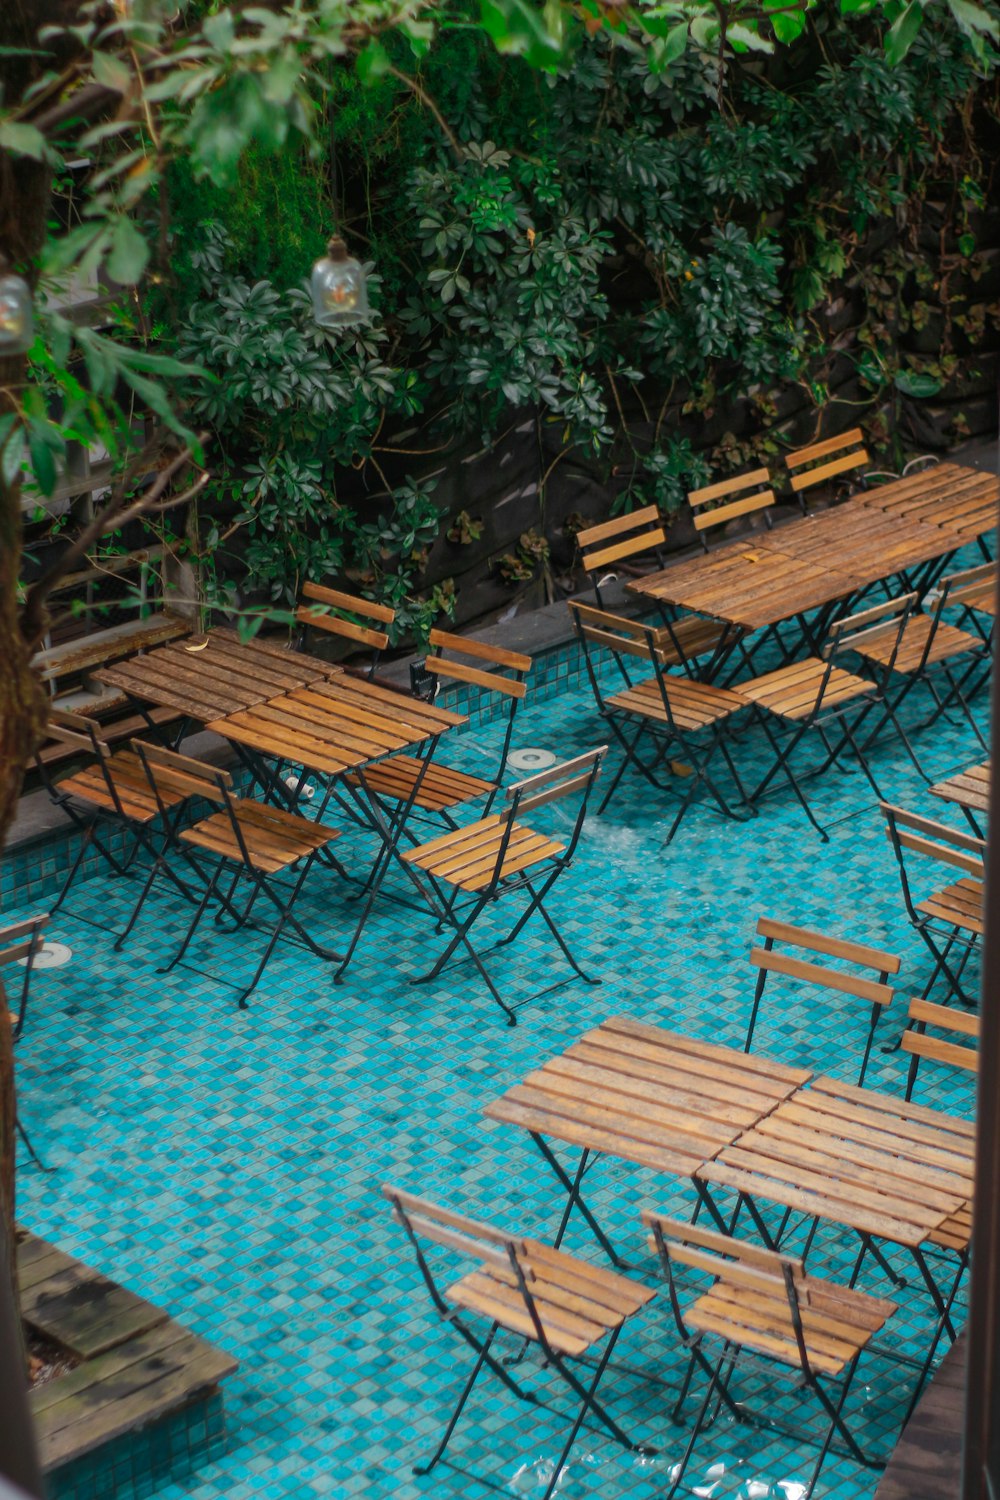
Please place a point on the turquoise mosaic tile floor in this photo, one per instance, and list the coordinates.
(227, 1164)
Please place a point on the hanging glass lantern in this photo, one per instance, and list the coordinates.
(17, 329)
(339, 289)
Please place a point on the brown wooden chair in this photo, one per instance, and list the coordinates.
(110, 795)
(470, 869)
(681, 721)
(341, 614)
(624, 538)
(974, 594)
(813, 467)
(763, 1304)
(950, 917)
(819, 696)
(871, 985)
(565, 1307)
(440, 789)
(19, 943)
(637, 535)
(253, 842)
(934, 653)
(717, 504)
(924, 1047)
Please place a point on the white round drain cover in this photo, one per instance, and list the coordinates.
(531, 760)
(50, 956)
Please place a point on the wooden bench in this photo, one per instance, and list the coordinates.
(135, 1366)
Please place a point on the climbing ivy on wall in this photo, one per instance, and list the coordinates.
(606, 249)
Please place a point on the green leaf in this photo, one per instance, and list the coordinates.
(22, 140)
(974, 20)
(372, 62)
(12, 457)
(111, 72)
(912, 383)
(42, 461)
(788, 24)
(903, 33)
(129, 253)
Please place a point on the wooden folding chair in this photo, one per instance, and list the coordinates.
(716, 505)
(564, 1306)
(621, 540)
(814, 466)
(769, 960)
(254, 842)
(974, 593)
(471, 868)
(112, 792)
(929, 648)
(440, 789)
(339, 614)
(683, 721)
(19, 943)
(954, 1235)
(762, 1303)
(636, 535)
(924, 1047)
(817, 695)
(951, 917)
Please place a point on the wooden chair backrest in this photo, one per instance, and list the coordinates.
(737, 1262)
(20, 939)
(923, 1013)
(497, 656)
(78, 731)
(618, 634)
(872, 626)
(919, 835)
(621, 538)
(714, 504)
(168, 771)
(966, 587)
(818, 462)
(577, 775)
(333, 605)
(770, 961)
(443, 1226)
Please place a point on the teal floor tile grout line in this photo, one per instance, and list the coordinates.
(227, 1165)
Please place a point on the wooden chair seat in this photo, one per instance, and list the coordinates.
(837, 1322)
(960, 904)
(577, 1303)
(948, 641)
(791, 692)
(441, 787)
(274, 838)
(135, 796)
(692, 704)
(467, 857)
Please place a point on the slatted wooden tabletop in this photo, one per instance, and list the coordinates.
(804, 564)
(650, 1096)
(335, 726)
(948, 495)
(872, 1162)
(215, 675)
(969, 788)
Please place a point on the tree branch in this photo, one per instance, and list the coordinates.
(115, 514)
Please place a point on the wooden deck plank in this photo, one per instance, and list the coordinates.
(927, 1460)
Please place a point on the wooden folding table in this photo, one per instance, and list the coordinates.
(969, 790)
(645, 1095)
